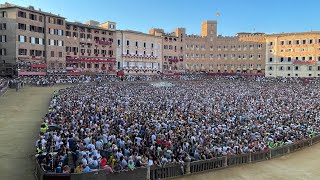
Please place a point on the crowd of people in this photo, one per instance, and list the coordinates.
(123, 126)
(63, 79)
(3, 84)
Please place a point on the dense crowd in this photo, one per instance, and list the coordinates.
(63, 79)
(124, 126)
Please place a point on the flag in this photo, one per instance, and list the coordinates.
(218, 14)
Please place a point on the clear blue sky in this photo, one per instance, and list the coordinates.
(270, 16)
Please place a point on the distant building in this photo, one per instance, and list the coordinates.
(31, 38)
(173, 49)
(90, 48)
(243, 53)
(40, 43)
(293, 55)
(139, 53)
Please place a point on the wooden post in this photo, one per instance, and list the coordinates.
(188, 160)
(225, 161)
(148, 173)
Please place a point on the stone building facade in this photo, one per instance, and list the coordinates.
(31, 38)
(139, 53)
(40, 43)
(173, 49)
(293, 55)
(90, 47)
(209, 52)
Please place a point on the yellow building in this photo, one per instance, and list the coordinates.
(243, 53)
(293, 54)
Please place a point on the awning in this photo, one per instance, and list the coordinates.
(38, 65)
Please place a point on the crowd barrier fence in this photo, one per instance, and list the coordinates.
(176, 170)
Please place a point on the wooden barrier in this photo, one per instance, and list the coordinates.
(175, 170)
(167, 171)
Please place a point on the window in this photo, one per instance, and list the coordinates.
(128, 52)
(51, 42)
(282, 43)
(152, 46)
(52, 53)
(59, 21)
(310, 58)
(3, 38)
(22, 26)
(111, 26)
(119, 42)
(270, 68)
(289, 75)
(296, 68)
(136, 53)
(3, 52)
(311, 41)
(3, 14)
(3, 26)
(289, 42)
(144, 44)
(281, 68)
(318, 68)
(40, 18)
(60, 55)
(22, 14)
(128, 43)
(289, 59)
(281, 59)
(310, 68)
(271, 43)
(304, 41)
(60, 43)
(22, 38)
(296, 75)
(60, 32)
(310, 75)
(270, 59)
(22, 52)
(318, 58)
(32, 40)
(289, 68)
(136, 44)
(32, 16)
(297, 41)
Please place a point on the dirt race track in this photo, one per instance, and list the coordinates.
(21, 115)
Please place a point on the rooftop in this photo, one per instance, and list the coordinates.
(294, 33)
(88, 26)
(29, 8)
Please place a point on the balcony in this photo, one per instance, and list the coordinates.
(107, 43)
(298, 62)
(89, 60)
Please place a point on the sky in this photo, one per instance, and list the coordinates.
(269, 16)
